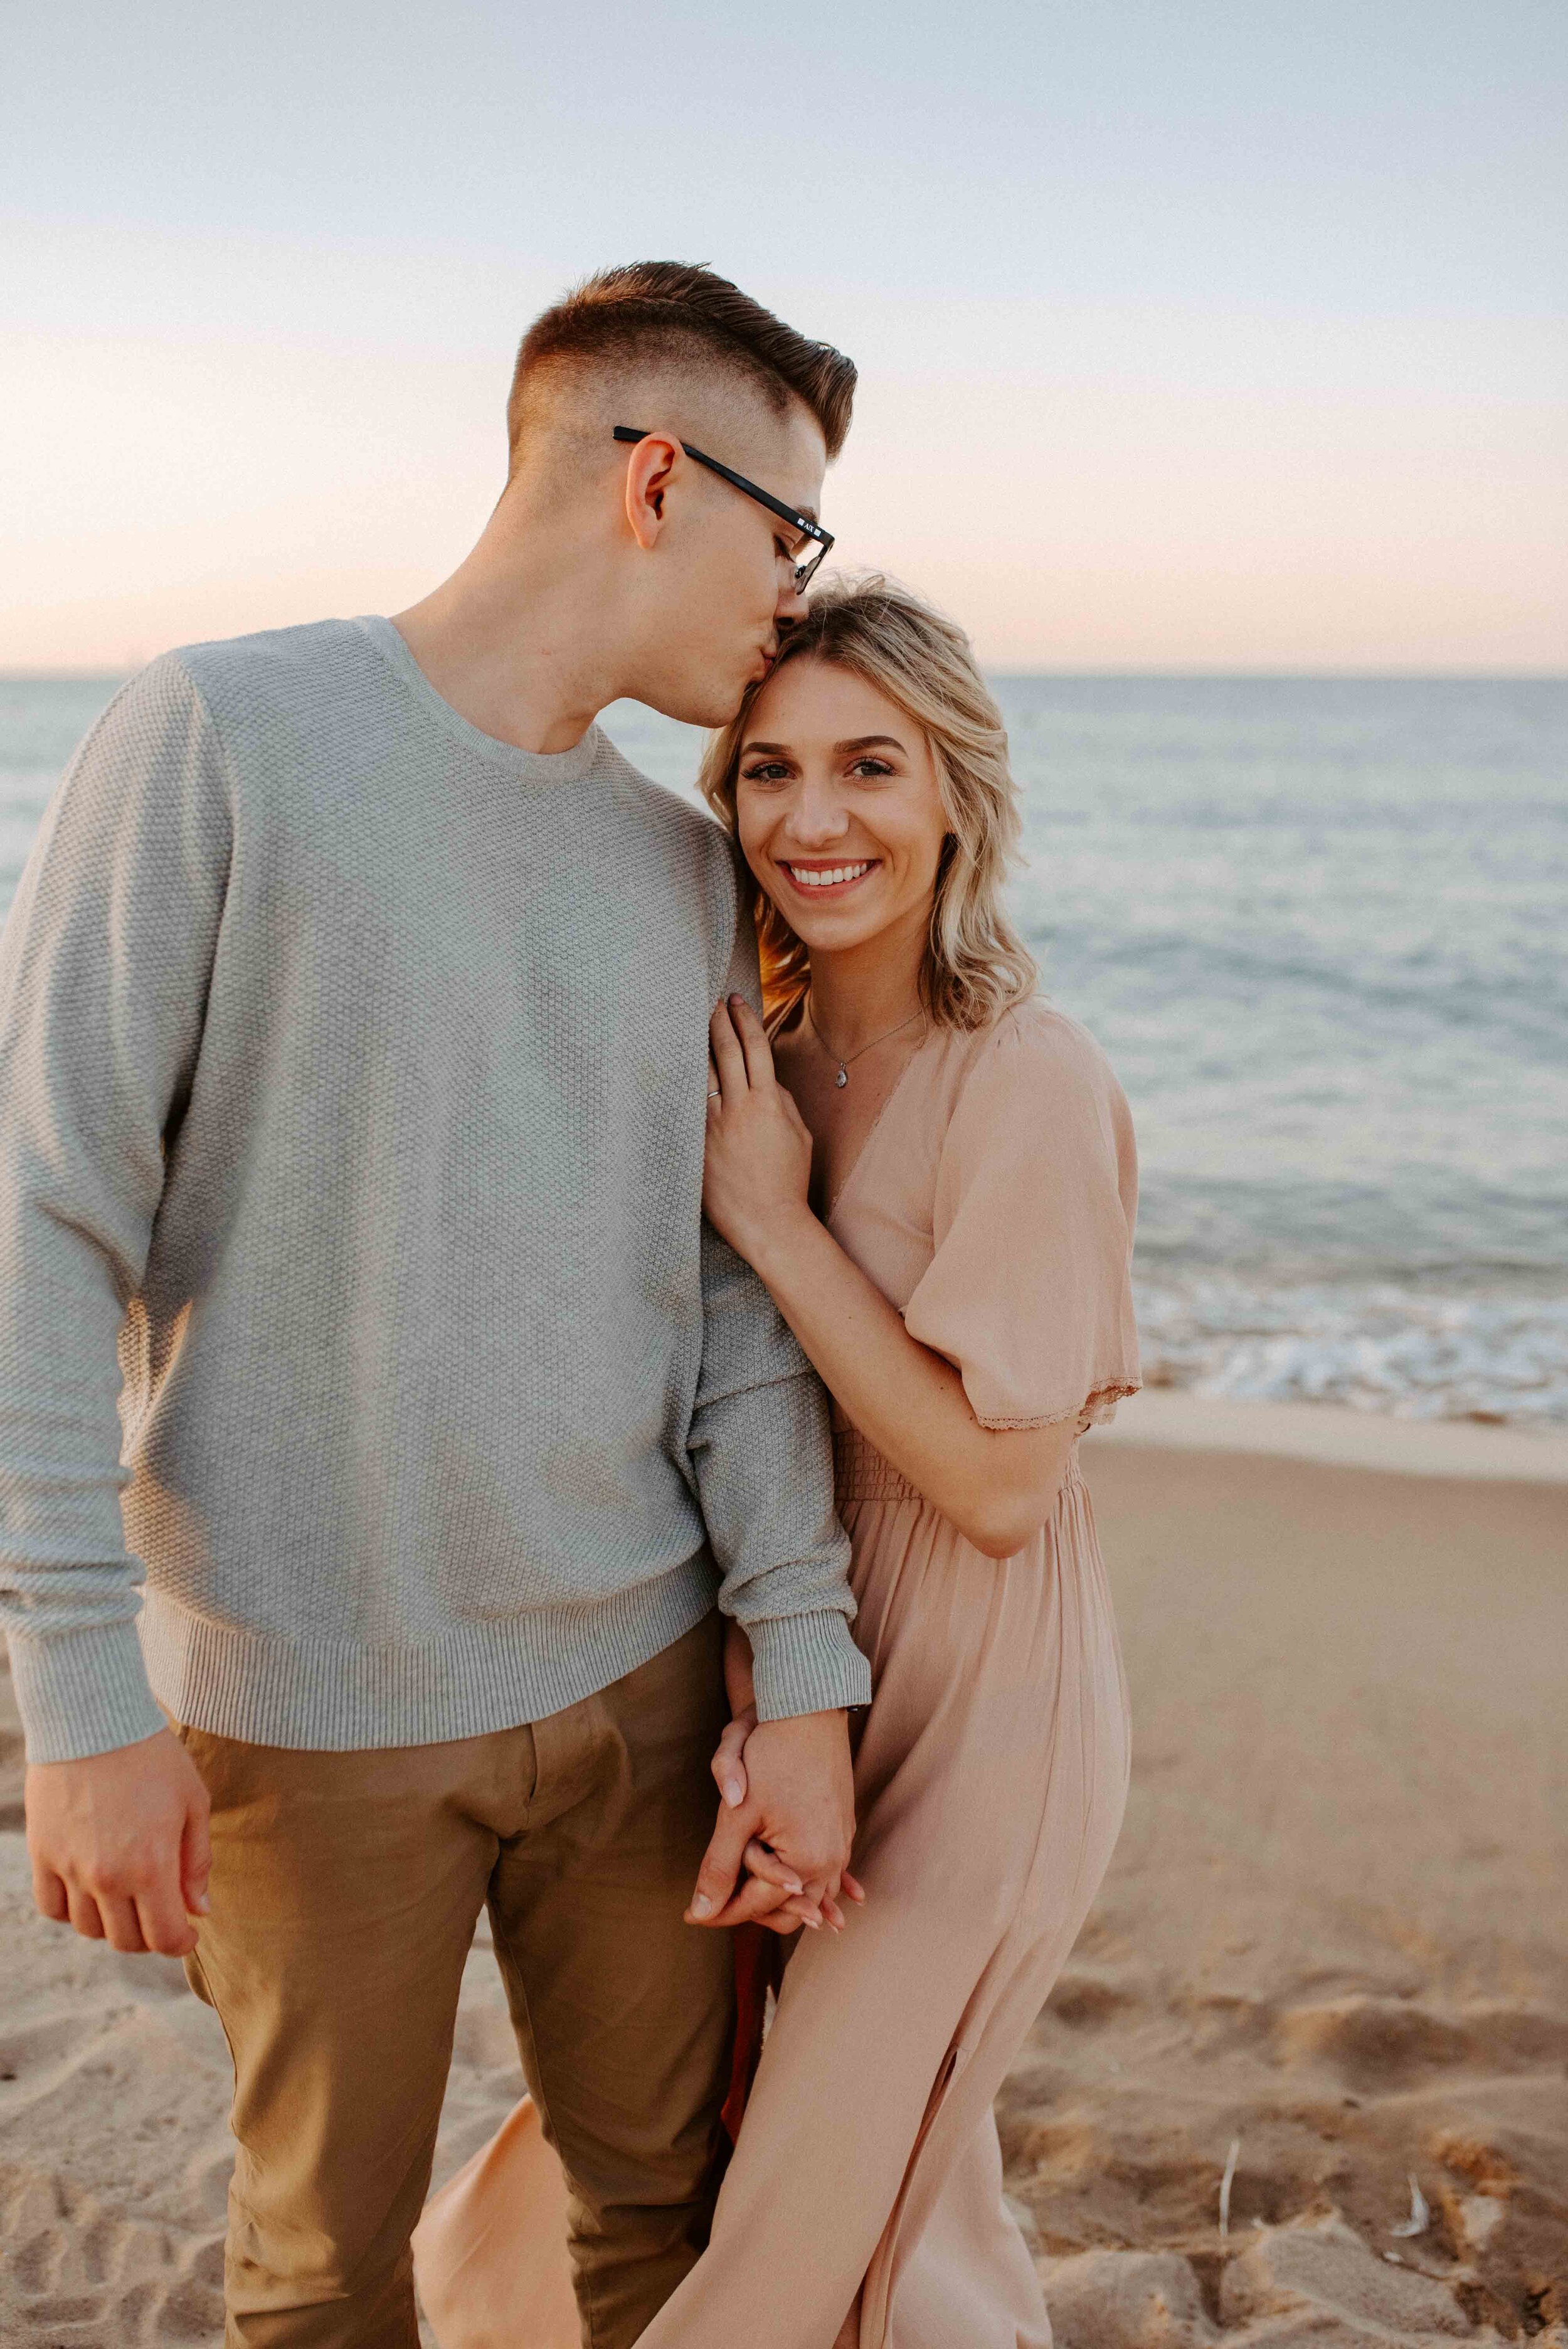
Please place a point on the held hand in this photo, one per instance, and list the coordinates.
(119, 1845)
(799, 1803)
(765, 1889)
(777, 1897)
(759, 1158)
(763, 1894)
(771, 1893)
(774, 1896)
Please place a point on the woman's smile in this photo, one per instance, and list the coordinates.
(828, 761)
(823, 879)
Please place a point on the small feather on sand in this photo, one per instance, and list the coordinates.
(1225, 2183)
(1420, 2215)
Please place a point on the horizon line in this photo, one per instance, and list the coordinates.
(87, 673)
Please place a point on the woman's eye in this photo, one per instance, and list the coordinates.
(871, 767)
(769, 772)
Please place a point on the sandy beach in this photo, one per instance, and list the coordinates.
(1331, 1957)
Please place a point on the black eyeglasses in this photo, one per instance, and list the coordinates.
(804, 572)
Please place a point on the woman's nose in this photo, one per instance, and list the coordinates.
(817, 819)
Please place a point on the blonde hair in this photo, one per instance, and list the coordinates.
(975, 966)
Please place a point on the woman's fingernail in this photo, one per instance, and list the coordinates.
(734, 1792)
(791, 1884)
(701, 1905)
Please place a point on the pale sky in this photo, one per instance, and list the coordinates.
(1194, 335)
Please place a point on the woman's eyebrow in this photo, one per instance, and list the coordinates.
(856, 742)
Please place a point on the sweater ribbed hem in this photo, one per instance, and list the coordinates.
(338, 1696)
(806, 1663)
(83, 1692)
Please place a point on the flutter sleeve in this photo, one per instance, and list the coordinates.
(1029, 1291)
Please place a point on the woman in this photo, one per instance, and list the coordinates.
(932, 1172)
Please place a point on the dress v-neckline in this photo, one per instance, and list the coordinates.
(864, 1153)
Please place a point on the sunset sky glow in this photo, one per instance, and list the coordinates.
(1222, 337)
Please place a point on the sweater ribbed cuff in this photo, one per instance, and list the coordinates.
(83, 1692)
(806, 1663)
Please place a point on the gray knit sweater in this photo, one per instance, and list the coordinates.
(351, 1080)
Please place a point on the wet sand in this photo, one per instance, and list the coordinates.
(1335, 1936)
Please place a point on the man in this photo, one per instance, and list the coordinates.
(353, 1018)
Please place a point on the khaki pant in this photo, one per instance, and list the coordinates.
(346, 1890)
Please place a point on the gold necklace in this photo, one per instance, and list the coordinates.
(845, 1065)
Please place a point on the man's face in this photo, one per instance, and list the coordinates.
(724, 566)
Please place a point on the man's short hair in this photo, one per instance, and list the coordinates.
(656, 313)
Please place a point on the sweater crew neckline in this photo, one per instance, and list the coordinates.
(533, 767)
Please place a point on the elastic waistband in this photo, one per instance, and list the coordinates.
(862, 1472)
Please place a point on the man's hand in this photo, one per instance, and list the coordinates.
(800, 1802)
(119, 1845)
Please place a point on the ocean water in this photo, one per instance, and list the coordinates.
(1319, 927)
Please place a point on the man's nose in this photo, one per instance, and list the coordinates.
(790, 607)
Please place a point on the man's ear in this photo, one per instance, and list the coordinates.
(649, 469)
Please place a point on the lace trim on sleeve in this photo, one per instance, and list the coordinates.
(1099, 1407)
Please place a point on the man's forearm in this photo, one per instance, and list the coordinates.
(83, 1692)
(762, 1451)
(104, 968)
(805, 1664)
(70, 1590)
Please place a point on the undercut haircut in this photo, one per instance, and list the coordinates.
(663, 313)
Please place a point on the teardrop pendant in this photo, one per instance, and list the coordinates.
(843, 1076)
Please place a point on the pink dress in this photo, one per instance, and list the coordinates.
(994, 1205)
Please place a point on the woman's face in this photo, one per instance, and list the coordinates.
(838, 807)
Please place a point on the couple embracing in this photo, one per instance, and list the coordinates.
(536, 1369)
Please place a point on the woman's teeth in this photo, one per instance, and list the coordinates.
(829, 877)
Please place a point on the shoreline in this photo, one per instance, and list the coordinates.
(1332, 1433)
